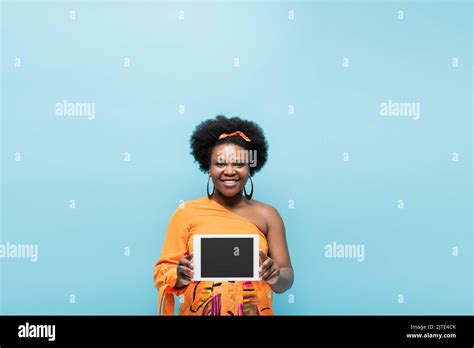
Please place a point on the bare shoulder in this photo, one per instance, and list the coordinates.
(267, 211)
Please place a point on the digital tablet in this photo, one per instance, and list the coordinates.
(226, 257)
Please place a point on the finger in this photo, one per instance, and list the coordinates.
(187, 279)
(190, 258)
(263, 255)
(185, 262)
(185, 271)
(183, 278)
(272, 273)
(266, 274)
(266, 265)
(189, 272)
(273, 278)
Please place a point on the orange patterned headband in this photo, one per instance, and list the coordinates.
(225, 135)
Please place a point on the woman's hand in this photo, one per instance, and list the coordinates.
(185, 271)
(269, 270)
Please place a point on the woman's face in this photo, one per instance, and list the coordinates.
(229, 169)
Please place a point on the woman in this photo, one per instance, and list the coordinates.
(230, 150)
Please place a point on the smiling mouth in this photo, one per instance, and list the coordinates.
(229, 183)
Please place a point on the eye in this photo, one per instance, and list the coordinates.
(220, 164)
(240, 165)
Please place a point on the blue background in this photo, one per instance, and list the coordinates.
(283, 62)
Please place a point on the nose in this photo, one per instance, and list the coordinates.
(229, 169)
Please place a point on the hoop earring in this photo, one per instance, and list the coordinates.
(209, 195)
(249, 195)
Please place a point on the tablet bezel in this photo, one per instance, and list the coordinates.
(197, 257)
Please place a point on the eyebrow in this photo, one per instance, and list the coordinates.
(236, 162)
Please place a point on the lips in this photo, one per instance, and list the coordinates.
(229, 183)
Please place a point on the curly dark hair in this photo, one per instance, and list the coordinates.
(205, 138)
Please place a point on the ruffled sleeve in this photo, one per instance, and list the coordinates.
(174, 248)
